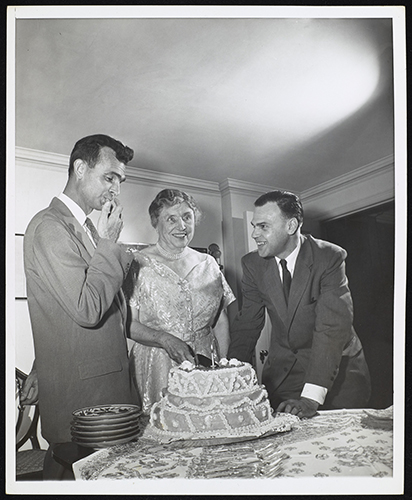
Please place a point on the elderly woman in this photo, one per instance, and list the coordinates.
(178, 299)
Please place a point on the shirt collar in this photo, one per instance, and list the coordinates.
(74, 208)
(291, 258)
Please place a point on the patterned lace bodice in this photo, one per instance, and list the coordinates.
(185, 307)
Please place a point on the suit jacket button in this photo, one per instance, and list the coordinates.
(295, 351)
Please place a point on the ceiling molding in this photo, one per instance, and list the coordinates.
(357, 190)
(316, 196)
(235, 186)
(164, 179)
(43, 159)
(367, 172)
(350, 208)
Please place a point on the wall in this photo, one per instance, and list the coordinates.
(237, 198)
(368, 236)
(362, 188)
(39, 176)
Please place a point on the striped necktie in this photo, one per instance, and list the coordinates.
(90, 227)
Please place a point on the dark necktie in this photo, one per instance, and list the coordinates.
(287, 279)
(93, 231)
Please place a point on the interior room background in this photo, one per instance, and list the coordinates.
(68, 87)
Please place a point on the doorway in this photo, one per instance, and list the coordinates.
(369, 238)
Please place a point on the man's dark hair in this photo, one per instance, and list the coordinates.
(88, 149)
(289, 203)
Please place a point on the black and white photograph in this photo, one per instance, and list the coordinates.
(205, 250)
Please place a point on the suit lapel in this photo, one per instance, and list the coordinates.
(274, 288)
(73, 224)
(79, 232)
(300, 280)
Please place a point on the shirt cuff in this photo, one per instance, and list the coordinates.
(315, 392)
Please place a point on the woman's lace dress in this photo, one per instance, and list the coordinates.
(186, 308)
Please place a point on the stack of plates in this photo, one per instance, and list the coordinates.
(105, 425)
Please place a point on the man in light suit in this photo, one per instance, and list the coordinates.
(315, 357)
(77, 309)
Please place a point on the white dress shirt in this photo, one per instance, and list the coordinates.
(77, 212)
(290, 260)
(311, 391)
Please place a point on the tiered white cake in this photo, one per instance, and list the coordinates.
(209, 403)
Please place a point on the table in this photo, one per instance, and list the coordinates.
(334, 443)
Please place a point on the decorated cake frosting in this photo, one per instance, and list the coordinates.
(209, 403)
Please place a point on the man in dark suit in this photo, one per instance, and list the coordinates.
(77, 309)
(315, 357)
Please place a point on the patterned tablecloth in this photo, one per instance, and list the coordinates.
(333, 443)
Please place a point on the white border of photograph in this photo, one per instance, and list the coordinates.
(306, 486)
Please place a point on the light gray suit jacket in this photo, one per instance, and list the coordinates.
(78, 316)
(314, 328)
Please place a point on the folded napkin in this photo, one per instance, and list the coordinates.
(378, 419)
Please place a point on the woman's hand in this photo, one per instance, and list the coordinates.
(177, 350)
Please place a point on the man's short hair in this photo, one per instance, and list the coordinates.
(289, 203)
(88, 149)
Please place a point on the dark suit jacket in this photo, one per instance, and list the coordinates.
(78, 315)
(314, 329)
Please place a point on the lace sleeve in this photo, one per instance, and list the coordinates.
(228, 295)
(129, 284)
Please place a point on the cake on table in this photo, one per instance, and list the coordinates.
(223, 402)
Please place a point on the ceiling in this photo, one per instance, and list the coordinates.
(285, 102)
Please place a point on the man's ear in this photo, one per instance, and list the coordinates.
(293, 225)
(79, 168)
